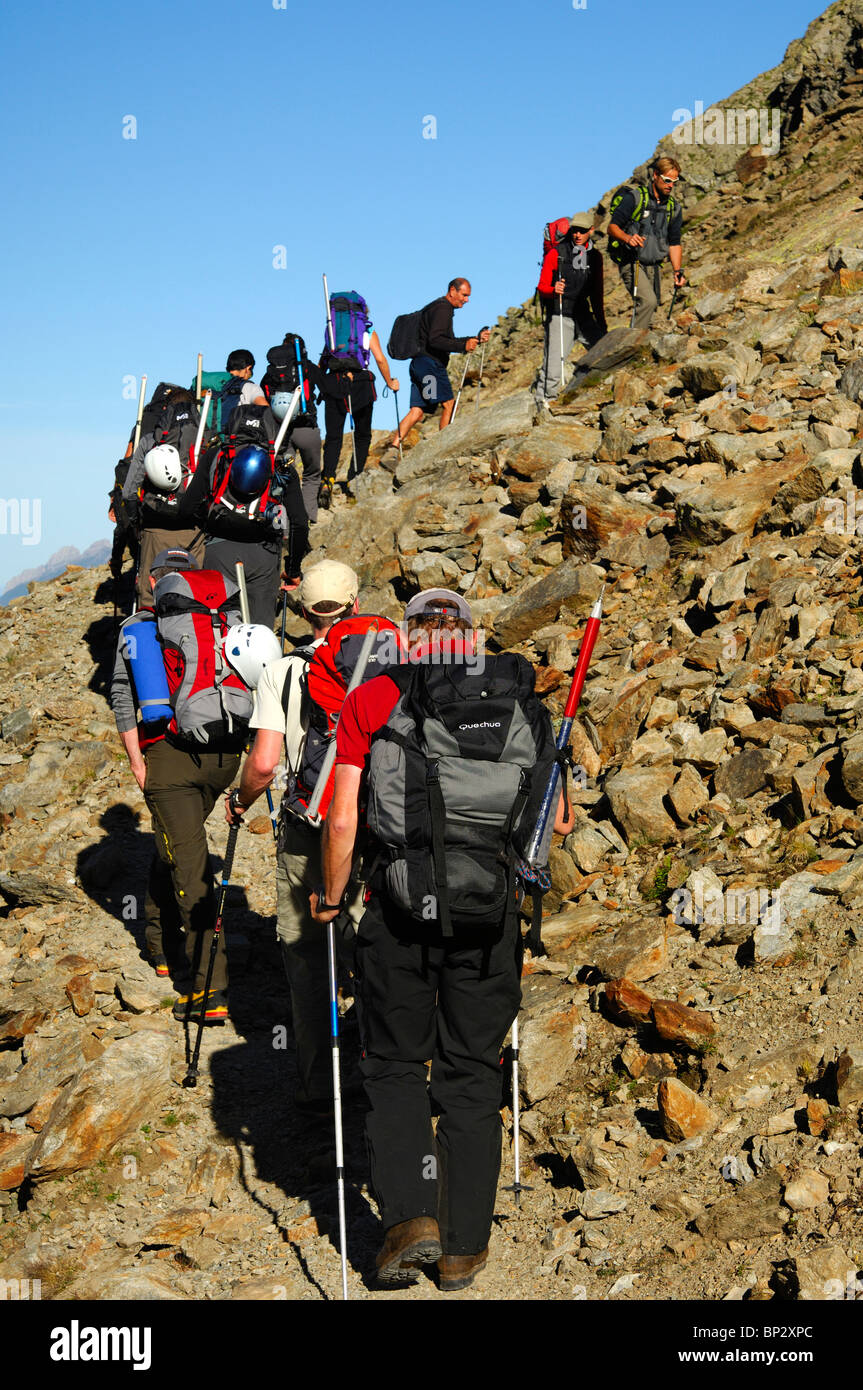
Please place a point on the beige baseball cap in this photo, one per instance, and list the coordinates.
(329, 581)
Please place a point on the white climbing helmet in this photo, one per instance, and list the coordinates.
(249, 647)
(163, 468)
(279, 403)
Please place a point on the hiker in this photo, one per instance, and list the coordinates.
(163, 487)
(645, 227)
(430, 384)
(245, 518)
(438, 951)
(288, 367)
(240, 365)
(347, 385)
(183, 754)
(573, 306)
(327, 594)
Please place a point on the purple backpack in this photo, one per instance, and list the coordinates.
(349, 318)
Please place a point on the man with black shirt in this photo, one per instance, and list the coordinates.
(430, 384)
(644, 230)
(575, 310)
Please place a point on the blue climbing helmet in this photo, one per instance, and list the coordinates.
(251, 471)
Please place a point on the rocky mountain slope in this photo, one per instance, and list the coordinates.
(691, 1043)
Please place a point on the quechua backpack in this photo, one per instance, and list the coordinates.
(288, 368)
(456, 781)
(327, 679)
(552, 234)
(407, 338)
(176, 424)
(210, 703)
(229, 515)
(351, 325)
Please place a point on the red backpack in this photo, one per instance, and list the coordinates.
(327, 680)
(194, 610)
(553, 232)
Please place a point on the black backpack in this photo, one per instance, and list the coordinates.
(225, 403)
(456, 780)
(288, 368)
(235, 518)
(408, 337)
(176, 423)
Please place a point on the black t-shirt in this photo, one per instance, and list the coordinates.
(654, 218)
(437, 329)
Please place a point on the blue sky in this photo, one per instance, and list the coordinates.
(299, 127)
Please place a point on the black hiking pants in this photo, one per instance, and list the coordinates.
(452, 1001)
(261, 561)
(180, 790)
(335, 416)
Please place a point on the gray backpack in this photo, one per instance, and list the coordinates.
(194, 609)
(456, 779)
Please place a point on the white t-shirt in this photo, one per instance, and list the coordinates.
(269, 712)
(251, 390)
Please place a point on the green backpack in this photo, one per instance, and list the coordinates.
(215, 382)
(618, 252)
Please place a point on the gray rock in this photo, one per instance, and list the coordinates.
(754, 1210)
(744, 774)
(850, 383)
(825, 1274)
(571, 585)
(599, 1202)
(17, 727)
(849, 1077)
(637, 802)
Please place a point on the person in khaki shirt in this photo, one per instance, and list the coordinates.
(327, 593)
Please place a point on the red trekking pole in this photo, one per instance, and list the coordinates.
(537, 879)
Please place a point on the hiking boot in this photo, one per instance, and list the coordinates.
(459, 1271)
(188, 1007)
(406, 1246)
(160, 965)
(325, 496)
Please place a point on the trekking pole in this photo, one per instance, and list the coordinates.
(198, 376)
(562, 358)
(312, 815)
(240, 571)
(634, 295)
(139, 417)
(337, 1103)
(202, 423)
(289, 415)
(398, 425)
(190, 1080)
(461, 384)
(673, 298)
(538, 878)
(479, 378)
(284, 618)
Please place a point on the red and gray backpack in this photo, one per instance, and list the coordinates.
(194, 609)
(456, 780)
(552, 234)
(326, 683)
(228, 515)
(176, 423)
